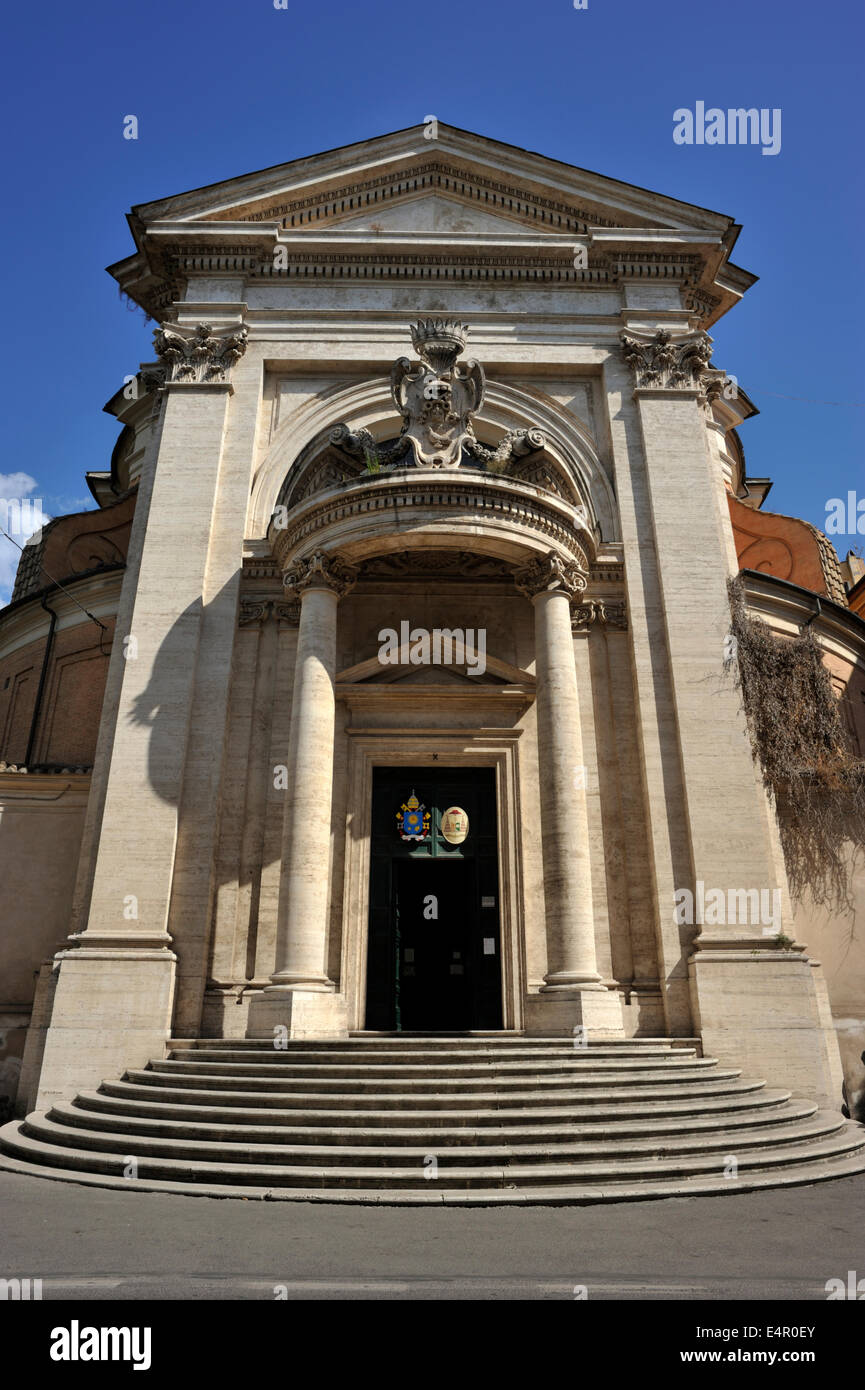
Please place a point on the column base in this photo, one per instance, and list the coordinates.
(759, 1007)
(304, 1013)
(108, 1010)
(558, 1011)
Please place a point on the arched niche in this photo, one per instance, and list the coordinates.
(302, 459)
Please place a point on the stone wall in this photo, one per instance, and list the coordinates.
(41, 819)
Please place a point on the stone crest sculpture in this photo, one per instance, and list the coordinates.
(437, 397)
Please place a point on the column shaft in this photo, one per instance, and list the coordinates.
(565, 826)
(301, 940)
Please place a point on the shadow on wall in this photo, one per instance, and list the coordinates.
(165, 704)
(10, 1070)
(227, 806)
(855, 1107)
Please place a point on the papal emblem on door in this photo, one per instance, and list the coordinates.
(413, 820)
(455, 825)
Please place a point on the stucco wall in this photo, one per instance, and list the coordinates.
(837, 940)
(41, 819)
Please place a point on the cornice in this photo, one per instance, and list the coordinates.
(42, 788)
(789, 608)
(27, 621)
(232, 248)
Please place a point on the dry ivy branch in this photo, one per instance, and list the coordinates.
(794, 721)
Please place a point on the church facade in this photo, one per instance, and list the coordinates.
(385, 691)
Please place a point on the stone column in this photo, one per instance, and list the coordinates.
(572, 994)
(114, 984)
(301, 996)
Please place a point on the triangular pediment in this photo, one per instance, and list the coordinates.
(484, 208)
(485, 668)
(429, 676)
(356, 181)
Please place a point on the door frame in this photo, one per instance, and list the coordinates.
(369, 749)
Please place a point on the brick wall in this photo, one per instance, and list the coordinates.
(72, 697)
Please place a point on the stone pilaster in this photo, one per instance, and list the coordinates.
(301, 996)
(754, 1003)
(572, 993)
(112, 1003)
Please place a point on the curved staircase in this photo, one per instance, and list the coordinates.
(478, 1120)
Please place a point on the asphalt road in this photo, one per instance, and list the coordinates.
(96, 1244)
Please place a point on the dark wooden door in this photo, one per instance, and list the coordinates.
(433, 960)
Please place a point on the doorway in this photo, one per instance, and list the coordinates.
(433, 962)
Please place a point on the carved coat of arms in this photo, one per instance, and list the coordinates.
(413, 820)
(438, 396)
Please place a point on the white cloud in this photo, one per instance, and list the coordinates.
(22, 516)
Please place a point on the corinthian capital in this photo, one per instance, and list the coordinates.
(550, 574)
(201, 355)
(665, 363)
(319, 571)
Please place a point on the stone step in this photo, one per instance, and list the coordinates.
(511, 1121)
(380, 1064)
(428, 1082)
(287, 1110)
(355, 1056)
(65, 1124)
(284, 1094)
(822, 1169)
(440, 1042)
(764, 1108)
(24, 1143)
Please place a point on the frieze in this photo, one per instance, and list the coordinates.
(462, 266)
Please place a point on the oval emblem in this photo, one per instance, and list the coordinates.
(455, 825)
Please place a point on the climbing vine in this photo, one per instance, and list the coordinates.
(798, 739)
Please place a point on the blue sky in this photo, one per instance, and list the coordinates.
(223, 88)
